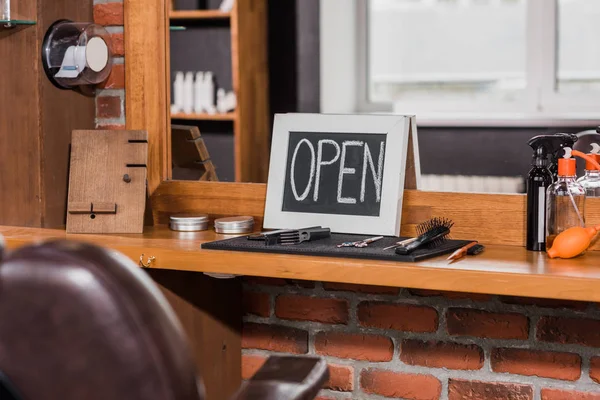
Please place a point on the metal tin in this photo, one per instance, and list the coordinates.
(189, 222)
(234, 225)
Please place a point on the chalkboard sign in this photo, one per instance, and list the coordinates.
(345, 172)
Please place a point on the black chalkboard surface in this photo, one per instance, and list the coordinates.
(334, 173)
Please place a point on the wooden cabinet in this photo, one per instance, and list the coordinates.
(36, 119)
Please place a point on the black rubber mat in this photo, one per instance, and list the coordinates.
(328, 248)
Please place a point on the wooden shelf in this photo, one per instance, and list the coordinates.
(502, 270)
(205, 117)
(199, 14)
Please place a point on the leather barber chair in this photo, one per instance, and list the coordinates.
(78, 322)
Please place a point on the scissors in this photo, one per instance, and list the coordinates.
(360, 243)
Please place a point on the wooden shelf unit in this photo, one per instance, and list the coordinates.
(249, 81)
(199, 14)
(502, 270)
(205, 117)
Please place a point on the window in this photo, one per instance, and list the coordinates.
(517, 62)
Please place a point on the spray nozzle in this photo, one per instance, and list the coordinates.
(550, 145)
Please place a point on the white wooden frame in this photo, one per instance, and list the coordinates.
(398, 130)
(344, 44)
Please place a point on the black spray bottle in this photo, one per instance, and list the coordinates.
(546, 151)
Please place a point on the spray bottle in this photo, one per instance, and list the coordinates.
(566, 197)
(591, 180)
(546, 149)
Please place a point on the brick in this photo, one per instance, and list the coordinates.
(546, 364)
(450, 295)
(109, 14)
(108, 107)
(401, 317)
(473, 390)
(301, 283)
(118, 44)
(110, 127)
(467, 322)
(395, 384)
(595, 369)
(368, 289)
(303, 308)
(373, 348)
(274, 338)
(584, 332)
(251, 364)
(558, 394)
(116, 79)
(259, 280)
(256, 304)
(341, 378)
(545, 303)
(433, 354)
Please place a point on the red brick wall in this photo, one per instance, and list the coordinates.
(426, 345)
(110, 97)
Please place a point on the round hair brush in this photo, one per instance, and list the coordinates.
(572, 242)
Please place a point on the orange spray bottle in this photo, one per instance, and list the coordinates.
(566, 207)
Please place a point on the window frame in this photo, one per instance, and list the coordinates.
(541, 105)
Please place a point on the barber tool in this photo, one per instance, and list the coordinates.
(477, 249)
(303, 235)
(401, 243)
(368, 241)
(431, 233)
(572, 242)
(360, 243)
(273, 237)
(460, 253)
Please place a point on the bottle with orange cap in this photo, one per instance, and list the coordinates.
(591, 180)
(566, 197)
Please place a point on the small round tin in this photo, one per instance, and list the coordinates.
(234, 225)
(189, 222)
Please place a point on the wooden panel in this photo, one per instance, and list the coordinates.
(99, 162)
(231, 116)
(146, 80)
(503, 270)
(199, 14)
(62, 112)
(496, 219)
(251, 84)
(212, 198)
(210, 311)
(20, 187)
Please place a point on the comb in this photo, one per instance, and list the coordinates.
(432, 233)
(303, 235)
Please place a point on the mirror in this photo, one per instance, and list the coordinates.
(412, 56)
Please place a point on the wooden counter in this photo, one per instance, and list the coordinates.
(505, 270)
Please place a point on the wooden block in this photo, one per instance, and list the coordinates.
(99, 162)
(191, 159)
(80, 208)
(104, 208)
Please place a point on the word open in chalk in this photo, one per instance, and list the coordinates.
(334, 173)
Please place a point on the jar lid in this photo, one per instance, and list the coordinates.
(189, 222)
(243, 224)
